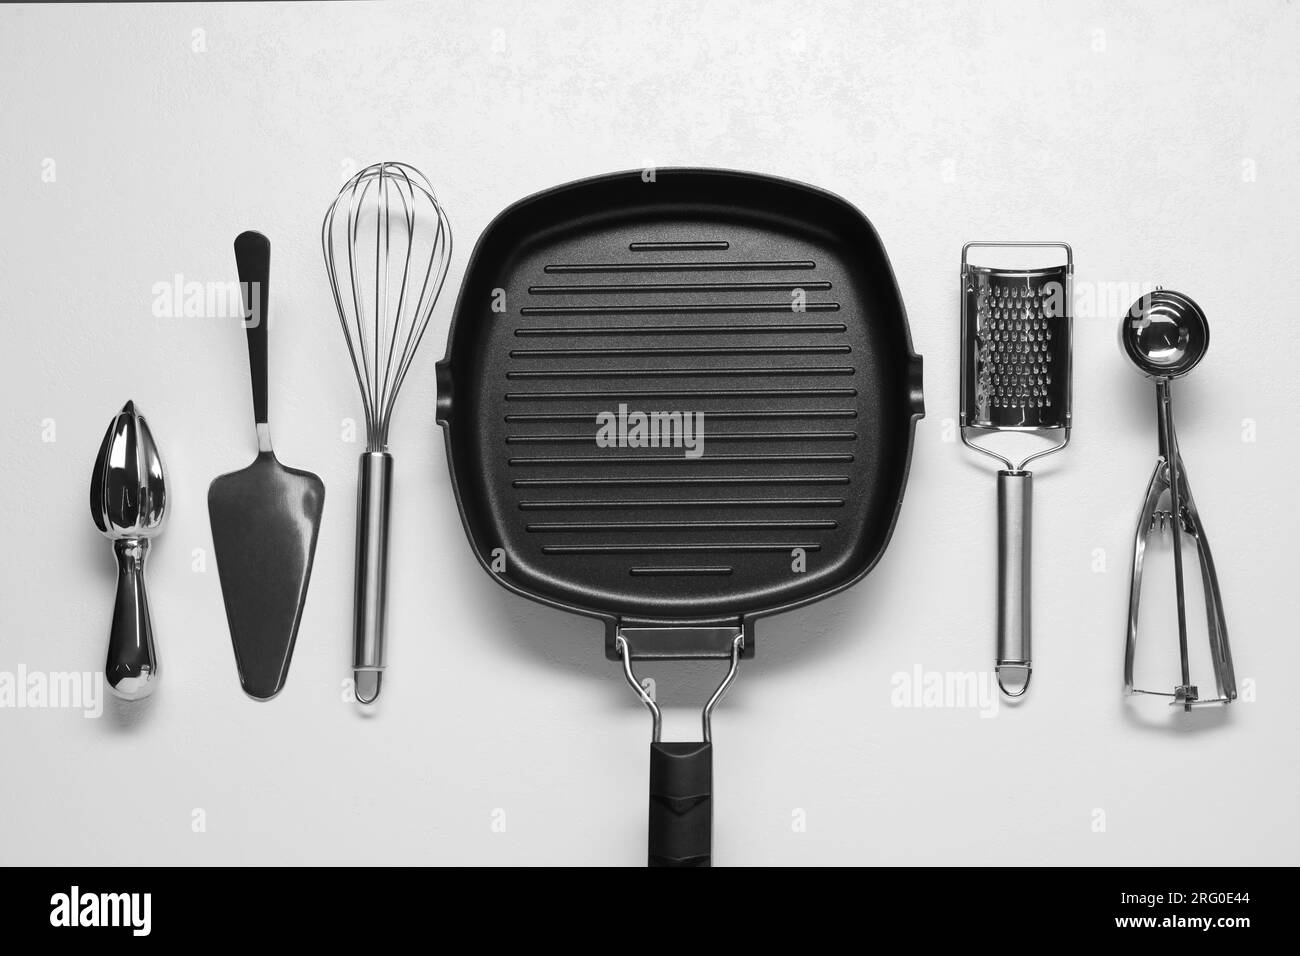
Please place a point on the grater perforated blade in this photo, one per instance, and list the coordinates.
(1015, 379)
(1016, 350)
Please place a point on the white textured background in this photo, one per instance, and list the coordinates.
(1160, 141)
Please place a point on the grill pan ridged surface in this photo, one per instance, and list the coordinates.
(676, 295)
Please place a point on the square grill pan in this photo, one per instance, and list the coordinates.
(766, 305)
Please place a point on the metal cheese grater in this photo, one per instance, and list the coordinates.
(1015, 380)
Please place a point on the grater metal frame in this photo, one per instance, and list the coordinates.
(970, 429)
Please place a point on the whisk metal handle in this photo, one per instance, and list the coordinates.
(253, 258)
(1015, 513)
(371, 595)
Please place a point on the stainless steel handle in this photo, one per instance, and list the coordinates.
(371, 595)
(1015, 514)
(131, 670)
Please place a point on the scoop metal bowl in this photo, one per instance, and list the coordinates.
(1165, 334)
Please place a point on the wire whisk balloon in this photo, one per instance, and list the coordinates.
(387, 244)
(388, 231)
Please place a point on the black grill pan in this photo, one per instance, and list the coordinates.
(766, 306)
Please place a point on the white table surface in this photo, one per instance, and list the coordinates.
(1160, 141)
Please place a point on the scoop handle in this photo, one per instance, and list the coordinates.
(1015, 524)
(253, 259)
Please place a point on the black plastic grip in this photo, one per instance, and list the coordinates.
(253, 258)
(681, 804)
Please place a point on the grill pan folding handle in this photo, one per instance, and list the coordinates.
(762, 309)
(681, 774)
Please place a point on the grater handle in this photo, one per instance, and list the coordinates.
(1015, 512)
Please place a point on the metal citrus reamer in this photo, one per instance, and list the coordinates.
(387, 244)
(127, 500)
(1165, 334)
(1015, 380)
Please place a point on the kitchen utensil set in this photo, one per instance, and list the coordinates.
(677, 407)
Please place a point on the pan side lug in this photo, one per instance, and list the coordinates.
(442, 409)
(916, 386)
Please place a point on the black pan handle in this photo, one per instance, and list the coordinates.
(681, 804)
(253, 257)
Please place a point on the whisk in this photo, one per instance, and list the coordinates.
(387, 244)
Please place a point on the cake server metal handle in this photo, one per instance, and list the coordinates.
(1015, 527)
(370, 598)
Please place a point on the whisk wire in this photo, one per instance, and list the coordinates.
(407, 199)
(331, 269)
(432, 288)
(354, 224)
(384, 317)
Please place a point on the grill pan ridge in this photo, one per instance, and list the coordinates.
(766, 305)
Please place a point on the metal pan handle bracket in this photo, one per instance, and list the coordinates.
(681, 775)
